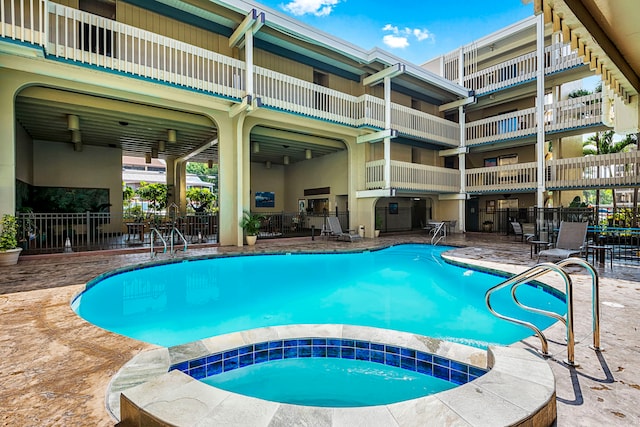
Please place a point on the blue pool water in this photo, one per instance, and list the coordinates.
(328, 382)
(405, 287)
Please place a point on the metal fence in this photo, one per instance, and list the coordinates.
(91, 231)
(297, 224)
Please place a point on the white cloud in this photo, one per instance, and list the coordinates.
(314, 7)
(396, 42)
(399, 38)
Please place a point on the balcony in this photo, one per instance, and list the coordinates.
(413, 177)
(567, 115)
(600, 171)
(80, 38)
(557, 57)
(512, 178)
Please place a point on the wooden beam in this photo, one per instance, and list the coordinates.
(537, 7)
(546, 9)
(557, 22)
(566, 32)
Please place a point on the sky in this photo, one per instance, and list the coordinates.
(414, 30)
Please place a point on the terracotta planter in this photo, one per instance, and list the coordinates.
(9, 257)
(251, 240)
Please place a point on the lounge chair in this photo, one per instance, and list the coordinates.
(334, 229)
(517, 230)
(571, 241)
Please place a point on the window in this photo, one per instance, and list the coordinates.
(93, 38)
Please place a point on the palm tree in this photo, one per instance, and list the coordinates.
(603, 143)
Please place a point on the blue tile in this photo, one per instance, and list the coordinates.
(197, 362)
(441, 372)
(261, 346)
(275, 344)
(290, 343)
(304, 341)
(230, 353)
(459, 366)
(437, 360)
(261, 356)
(458, 377)
(377, 347)
(304, 351)
(348, 353)
(392, 349)
(408, 363)
(198, 373)
(319, 341)
(471, 377)
(334, 342)
(362, 354)
(245, 350)
(319, 351)
(392, 359)
(377, 356)
(362, 344)
(230, 364)
(476, 372)
(216, 357)
(275, 354)
(407, 352)
(246, 360)
(333, 351)
(214, 368)
(290, 352)
(424, 367)
(348, 343)
(426, 357)
(182, 366)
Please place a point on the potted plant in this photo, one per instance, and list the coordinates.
(251, 223)
(487, 226)
(376, 232)
(9, 250)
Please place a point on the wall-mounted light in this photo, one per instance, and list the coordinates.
(162, 146)
(171, 136)
(76, 139)
(285, 160)
(256, 147)
(267, 164)
(307, 154)
(147, 157)
(73, 122)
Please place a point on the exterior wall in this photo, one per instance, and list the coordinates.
(94, 167)
(263, 179)
(495, 110)
(525, 154)
(445, 210)
(24, 155)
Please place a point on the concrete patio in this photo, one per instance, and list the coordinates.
(55, 367)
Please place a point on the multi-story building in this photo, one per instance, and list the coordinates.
(286, 109)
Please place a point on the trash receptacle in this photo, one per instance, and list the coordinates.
(361, 230)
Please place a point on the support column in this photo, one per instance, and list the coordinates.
(7, 149)
(230, 185)
(540, 110)
(387, 125)
(462, 157)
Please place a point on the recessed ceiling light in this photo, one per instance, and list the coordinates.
(123, 123)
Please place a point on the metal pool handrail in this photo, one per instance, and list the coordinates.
(540, 270)
(154, 230)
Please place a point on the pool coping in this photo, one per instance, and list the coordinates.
(518, 389)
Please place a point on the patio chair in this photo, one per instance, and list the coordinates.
(519, 233)
(571, 241)
(334, 229)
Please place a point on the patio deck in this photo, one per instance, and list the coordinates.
(56, 367)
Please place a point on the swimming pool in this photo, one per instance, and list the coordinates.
(406, 287)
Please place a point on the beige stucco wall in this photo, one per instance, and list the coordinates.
(24, 155)
(263, 179)
(94, 167)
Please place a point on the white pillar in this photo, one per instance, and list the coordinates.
(7, 150)
(462, 157)
(540, 110)
(387, 125)
(248, 58)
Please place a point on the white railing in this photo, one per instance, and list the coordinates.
(89, 39)
(574, 113)
(23, 20)
(520, 176)
(372, 109)
(512, 125)
(557, 57)
(412, 176)
(413, 122)
(597, 171)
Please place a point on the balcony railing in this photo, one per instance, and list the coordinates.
(557, 56)
(572, 113)
(413, 177)
(412, 122)
(517, 177)
(599, 171)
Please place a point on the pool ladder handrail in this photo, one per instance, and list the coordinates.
(540, 270)
(176, 231)
(154, 230)
(439, 229)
